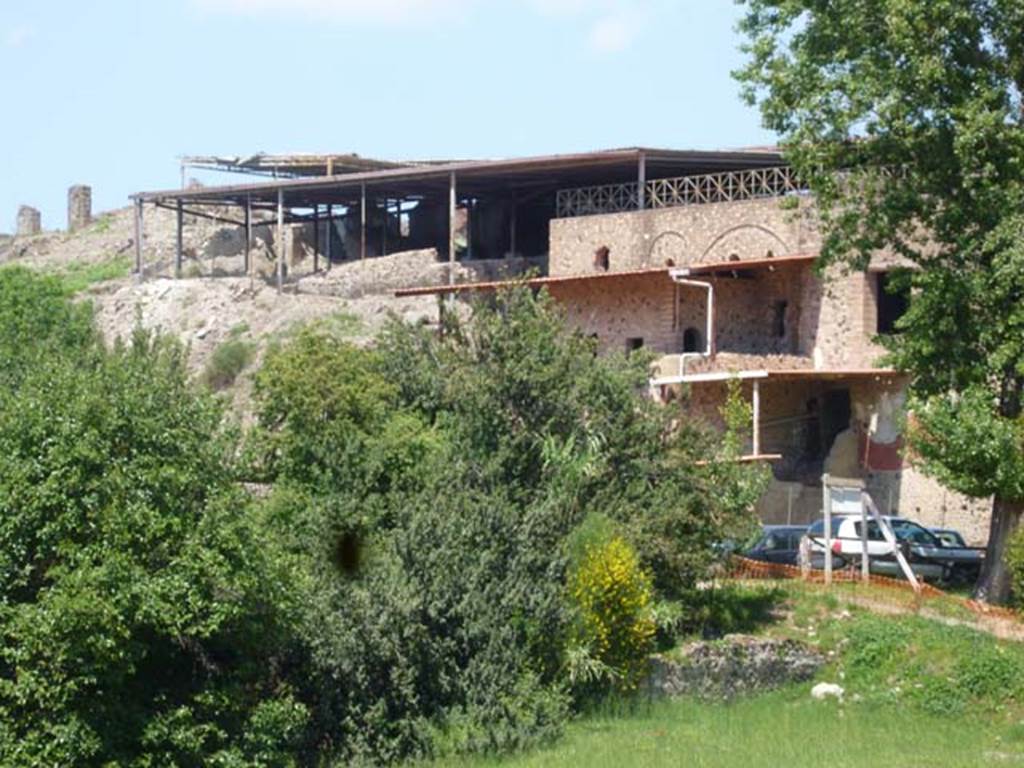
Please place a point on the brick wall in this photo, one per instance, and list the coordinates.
(686, 235)
(635, 306)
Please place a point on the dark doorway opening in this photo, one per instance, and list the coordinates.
(691, 340)
(835, 416)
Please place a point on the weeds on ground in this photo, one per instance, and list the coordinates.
(228, 361)
(78, 276)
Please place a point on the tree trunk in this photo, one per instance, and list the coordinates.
(994, 582)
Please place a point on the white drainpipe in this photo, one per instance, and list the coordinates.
(679, 277)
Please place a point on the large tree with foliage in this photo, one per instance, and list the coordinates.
(139, 609)
(905, 118)
(428, 491)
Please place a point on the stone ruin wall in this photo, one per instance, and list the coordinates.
(831, 321)
(685, 235)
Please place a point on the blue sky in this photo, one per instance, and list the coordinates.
(111, 92)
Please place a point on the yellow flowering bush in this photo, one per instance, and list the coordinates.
(612, 594)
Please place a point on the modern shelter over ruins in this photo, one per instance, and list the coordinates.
(705, 258)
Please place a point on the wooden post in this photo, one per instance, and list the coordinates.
(316, 239)
(138, 238)
(641, 181)
(470, 207)
(384, 230)
(451, 229)
(280, 239)
(247, 259)
(178, 245)
(329, 234)
(362, 222)
(757, 417)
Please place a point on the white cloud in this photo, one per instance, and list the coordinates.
(15, 37)
(384, 11)
(614, 33)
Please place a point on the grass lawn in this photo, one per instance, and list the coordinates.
(784, 729)
(920, 691)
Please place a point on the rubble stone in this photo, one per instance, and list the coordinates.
(736, 665)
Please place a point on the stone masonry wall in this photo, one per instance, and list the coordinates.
(631, 307)
(685, 235)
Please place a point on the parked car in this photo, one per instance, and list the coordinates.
(776, 544)
(926, 555)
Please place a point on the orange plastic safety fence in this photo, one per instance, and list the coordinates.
(745, 568)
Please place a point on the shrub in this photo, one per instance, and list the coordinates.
(76, 277)
(37, 322)
(612, 595)
(141, 620)
(228, 360)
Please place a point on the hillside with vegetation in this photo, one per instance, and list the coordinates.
(440, 544)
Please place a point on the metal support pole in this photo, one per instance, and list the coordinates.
(247, 258)
(451, 229)
(178, 245)
(384, 230)
(512, 231)
(280, 239)
(329, 234)
(865, 571)
(827, 512)
(362, 222)
(757, 417)
(641, 181)
(138, 238)
(316, 239)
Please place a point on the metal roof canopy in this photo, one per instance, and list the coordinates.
(475, 178)
(291, 165)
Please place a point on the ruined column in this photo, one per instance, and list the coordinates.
(29, 221)
(79, 207)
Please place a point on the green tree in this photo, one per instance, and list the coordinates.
(905, 118)
(427, 491)
(139, 620)
(37, 321)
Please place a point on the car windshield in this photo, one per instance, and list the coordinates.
(914, 533)
(951, 538)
